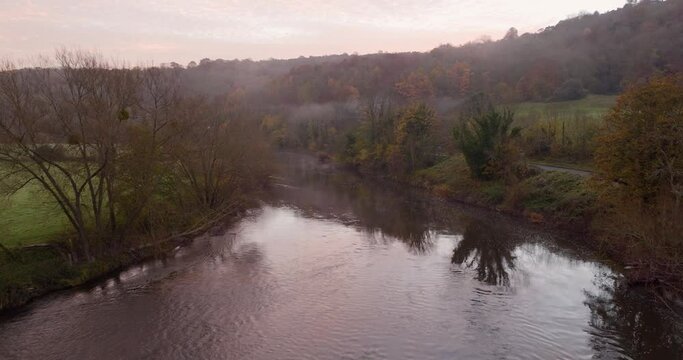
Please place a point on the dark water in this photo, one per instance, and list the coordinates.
(332, 268)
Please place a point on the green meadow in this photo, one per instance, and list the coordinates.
(594, 106)
(30, 216)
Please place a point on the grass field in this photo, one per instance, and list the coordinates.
(595, 106)
(30, 217)
(562, 132)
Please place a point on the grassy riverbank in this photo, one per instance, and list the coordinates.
(556, 198)
(28, 272)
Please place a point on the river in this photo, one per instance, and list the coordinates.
(334, 267)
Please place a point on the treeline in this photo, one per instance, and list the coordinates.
(590, 53)
(126, 154)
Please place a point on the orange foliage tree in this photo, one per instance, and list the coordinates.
(416, 86)
(639, 163)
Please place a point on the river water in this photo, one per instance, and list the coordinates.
(332, 267)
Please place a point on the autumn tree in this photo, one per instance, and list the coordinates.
(639, 164)
(461, 73)
(368, 144)
(413, 136)
(416, 86)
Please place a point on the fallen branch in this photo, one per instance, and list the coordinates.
(202, 225)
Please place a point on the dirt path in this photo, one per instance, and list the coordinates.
(579, 172)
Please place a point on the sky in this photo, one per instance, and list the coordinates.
(160, 31)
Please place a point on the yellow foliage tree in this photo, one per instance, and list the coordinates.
(639, 163)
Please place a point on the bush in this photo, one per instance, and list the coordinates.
(485, 139)
(494, 193)
(452, 172)
(563, 196)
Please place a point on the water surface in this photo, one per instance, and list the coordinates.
(332, 267)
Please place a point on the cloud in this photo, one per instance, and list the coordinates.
(181, 30)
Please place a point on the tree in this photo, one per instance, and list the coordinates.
(144, 164)
(461, 73)
(485, 138)
(220, 155)
(639, 162)
(62, 129)
(416, 86)
(369, 143)
(413, 136)
(511, 34)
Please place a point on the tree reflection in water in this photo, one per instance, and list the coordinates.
(626, 321)
(489, 250)
(395, 218)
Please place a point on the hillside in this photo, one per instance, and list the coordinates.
(590, 53)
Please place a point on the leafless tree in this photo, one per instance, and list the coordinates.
(116, 147)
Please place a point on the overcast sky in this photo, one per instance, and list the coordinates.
(156, 31)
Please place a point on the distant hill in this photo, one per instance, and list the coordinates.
(590, 53)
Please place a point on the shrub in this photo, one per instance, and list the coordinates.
(494, 193)
(486, 141)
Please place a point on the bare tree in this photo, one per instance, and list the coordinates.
(221, 155)
(116, 147)
(64, 128)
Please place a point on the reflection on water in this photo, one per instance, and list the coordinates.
(627, 321)
(488, 249)
(334, 267)
(378, 210)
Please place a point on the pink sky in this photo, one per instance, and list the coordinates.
(157, 31)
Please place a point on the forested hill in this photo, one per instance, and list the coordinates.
(590, 53)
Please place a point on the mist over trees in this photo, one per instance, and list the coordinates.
(590, 53)
(311, 102)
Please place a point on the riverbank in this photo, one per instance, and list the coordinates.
(30, 272)
(557, 199)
